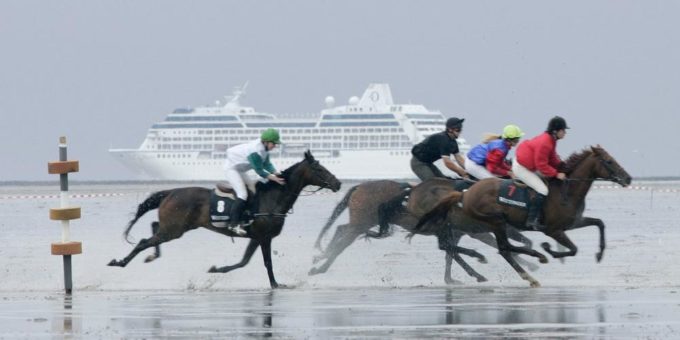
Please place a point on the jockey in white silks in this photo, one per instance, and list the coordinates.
(242, 158)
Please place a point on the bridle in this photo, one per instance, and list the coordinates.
(324, 179)
(612, 176)
(606, 164)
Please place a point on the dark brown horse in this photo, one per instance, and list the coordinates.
(563, 209)
(184, 209)
(381, 203)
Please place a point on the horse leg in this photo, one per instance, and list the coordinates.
(588, 221)
(157, 253)
(454, 238)
(343, 238)
(516, 235)
(266, 248)
(488, 239)
(339, 233)
(250, 250)
(467, 268)
(561, 238)
(152, 241)
(506, 249)
(448, 242)
(164, 233)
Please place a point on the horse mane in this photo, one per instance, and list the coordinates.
(285, 174)
(575, 159)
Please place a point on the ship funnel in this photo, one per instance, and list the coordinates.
(330, 101)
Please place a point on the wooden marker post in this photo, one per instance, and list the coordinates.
(65, 213)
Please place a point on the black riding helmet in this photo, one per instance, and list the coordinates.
(556, 123)
(454, 123)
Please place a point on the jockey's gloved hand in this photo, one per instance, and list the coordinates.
(277, 179)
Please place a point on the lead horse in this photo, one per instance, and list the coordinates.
(563, 209)
(184, 209)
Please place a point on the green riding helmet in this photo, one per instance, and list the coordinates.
(271, 135)
(512, 131)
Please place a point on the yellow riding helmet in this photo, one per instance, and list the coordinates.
(511, 132)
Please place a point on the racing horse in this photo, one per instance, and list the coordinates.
(563, 209)
(184, 209)
(382, 203)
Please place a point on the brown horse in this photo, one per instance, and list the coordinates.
(563, 209)
(184, 209)
(382, 203)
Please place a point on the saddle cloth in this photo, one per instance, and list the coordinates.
(220, 207)
(221, 200)
(514, 194)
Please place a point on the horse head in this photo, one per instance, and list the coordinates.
(608, 168)
(313, 173)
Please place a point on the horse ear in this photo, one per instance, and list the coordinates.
(308, 156)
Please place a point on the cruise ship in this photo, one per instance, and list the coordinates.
(369, 138)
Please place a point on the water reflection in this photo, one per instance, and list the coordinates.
(366, 313)
(521, 306)
(63, 325)
(260, 319)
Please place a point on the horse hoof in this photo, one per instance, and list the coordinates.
(482, 279)
(150, 258)
(483, 260)
(114, 263)
(598, 257)
(450, 281)
(316, 259)
(543, 259)
(545, 246)
(535, 284)
(313, 271)
(212, 269)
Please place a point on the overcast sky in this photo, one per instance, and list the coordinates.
(101, 72)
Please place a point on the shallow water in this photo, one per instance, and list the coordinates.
(423, 312)
(385, 288)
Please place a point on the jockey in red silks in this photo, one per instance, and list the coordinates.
(538, 156)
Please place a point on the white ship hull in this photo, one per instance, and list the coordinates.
(349, 165)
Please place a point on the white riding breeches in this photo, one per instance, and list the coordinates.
(238, 181)
(529, 178)
(477, 170)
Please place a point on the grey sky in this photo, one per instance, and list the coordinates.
(101, 72)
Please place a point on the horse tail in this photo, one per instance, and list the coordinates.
(151, 203)
(439, 213)
(391, 207)
(336, 213)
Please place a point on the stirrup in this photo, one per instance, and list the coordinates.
(238, 230)
(536, 226)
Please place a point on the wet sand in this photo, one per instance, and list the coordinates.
(389, 288)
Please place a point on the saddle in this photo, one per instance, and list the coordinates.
(515, 193)
(221, 200)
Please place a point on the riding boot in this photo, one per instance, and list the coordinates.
(535, 212)
(235, 217)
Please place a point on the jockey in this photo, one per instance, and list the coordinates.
(243, 157)
(439, 145)
(488, 158)
(538, 156)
